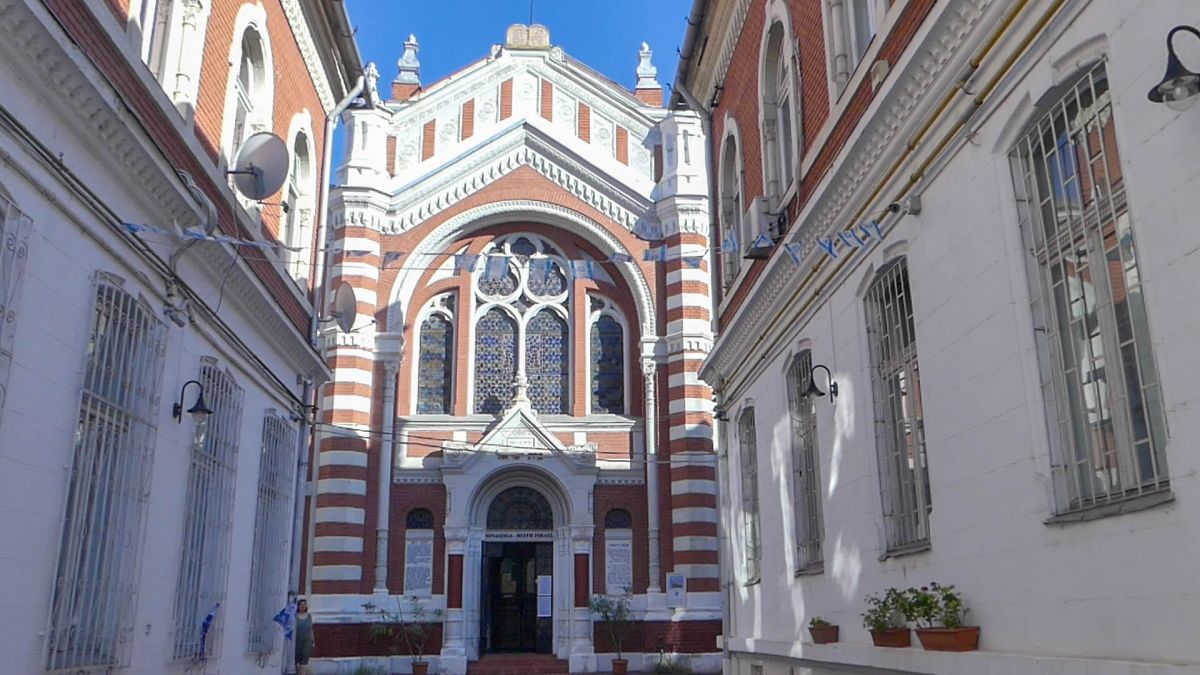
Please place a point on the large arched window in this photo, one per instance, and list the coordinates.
(520, 508)
(731, 211)
(435, 361)
(607, 365)
(778, 117)
(522, 327)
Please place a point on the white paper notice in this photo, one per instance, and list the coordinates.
(544, 585)
(544, 606)
(618, 566)
(676, 590)
(418, 565)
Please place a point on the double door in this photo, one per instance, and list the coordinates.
(509, 597)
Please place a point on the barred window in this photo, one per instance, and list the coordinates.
(751, 522)
(95, 588)
(899, 422)
(806, 466)
(208, 519)
(1098, 378)
(272, 531)
(14, 248)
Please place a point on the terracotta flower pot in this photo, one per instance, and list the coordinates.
(620, 666)
(892, 637)
(420, 667)
(965, 639)
(823, 635)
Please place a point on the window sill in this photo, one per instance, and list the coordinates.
(811, 571)
(1132, 505)
(902, 551)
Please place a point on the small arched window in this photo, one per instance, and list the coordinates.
(419, 519)
(435, 361)
(618, 519)
(248, 89)
(732, 237)
(607, 336)
(294, 236)
(778, 108)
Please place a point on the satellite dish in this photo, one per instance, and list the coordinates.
(345, 307)
(261, 166)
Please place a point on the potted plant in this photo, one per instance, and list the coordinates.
(939, 613)
(822, 631)
(411, 630)
(885, 618)
(614, 613)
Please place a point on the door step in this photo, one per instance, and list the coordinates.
(517, 664)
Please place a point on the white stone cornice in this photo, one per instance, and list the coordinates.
(940, 51)
(308, 51)
(417, 202)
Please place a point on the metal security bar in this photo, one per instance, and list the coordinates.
(95, 583)
(208, 519)
(1099, 379)
(899, 422)
(272, 527)
(806, 466)
(753, 527)
(14, 249)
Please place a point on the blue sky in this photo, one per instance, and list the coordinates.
(605, 34)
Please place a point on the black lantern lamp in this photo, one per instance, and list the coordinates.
(814, 390)
(198, 410)
(1180, 87)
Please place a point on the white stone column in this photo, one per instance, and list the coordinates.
(387, 458)
(649, 370)
(583, 652)
(841, 48)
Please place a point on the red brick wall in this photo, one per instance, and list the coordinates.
(468, 119)
(622, 145)
(506, 99)
(355, 639)
(585, 122)
(428, 139)
(680, 637)
(547, 100)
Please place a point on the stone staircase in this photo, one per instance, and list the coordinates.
(517, 664)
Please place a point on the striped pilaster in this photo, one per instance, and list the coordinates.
(689, 408)
(342, 513)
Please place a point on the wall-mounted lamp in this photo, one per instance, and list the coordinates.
(1180, 86)
(198, 410)
(814, 390)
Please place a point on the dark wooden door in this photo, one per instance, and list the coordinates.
(513, 587)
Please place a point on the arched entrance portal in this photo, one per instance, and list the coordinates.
(517, 574)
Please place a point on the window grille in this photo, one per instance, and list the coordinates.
(1099, 378)
(95, 583)
(899, 420)
(208, 519)
(806, 466)
(751, 521)
(14, 250)
(272, 531)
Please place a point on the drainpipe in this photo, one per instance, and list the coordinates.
(302, 456)
(324, 238)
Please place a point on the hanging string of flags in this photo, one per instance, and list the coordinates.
(496, 266)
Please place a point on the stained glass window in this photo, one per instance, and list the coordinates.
(618, 519)
(435, 369)
(547, 283)
(520, 508)
(546, 364)
(419, 519)
(498, 288)
(608, 366)
(495, 361)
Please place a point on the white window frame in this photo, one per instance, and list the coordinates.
(1098, 454)
(732, 203)
(899, 422)
(779, 106)
(300, 191)
(250, 24)
(90, 624)
(272, 531)
(751, 516)
(172, 45)
(15, 228)
(806, 467)
(208, 516)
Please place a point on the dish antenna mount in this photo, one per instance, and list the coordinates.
(345, 307)
(261, 166)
